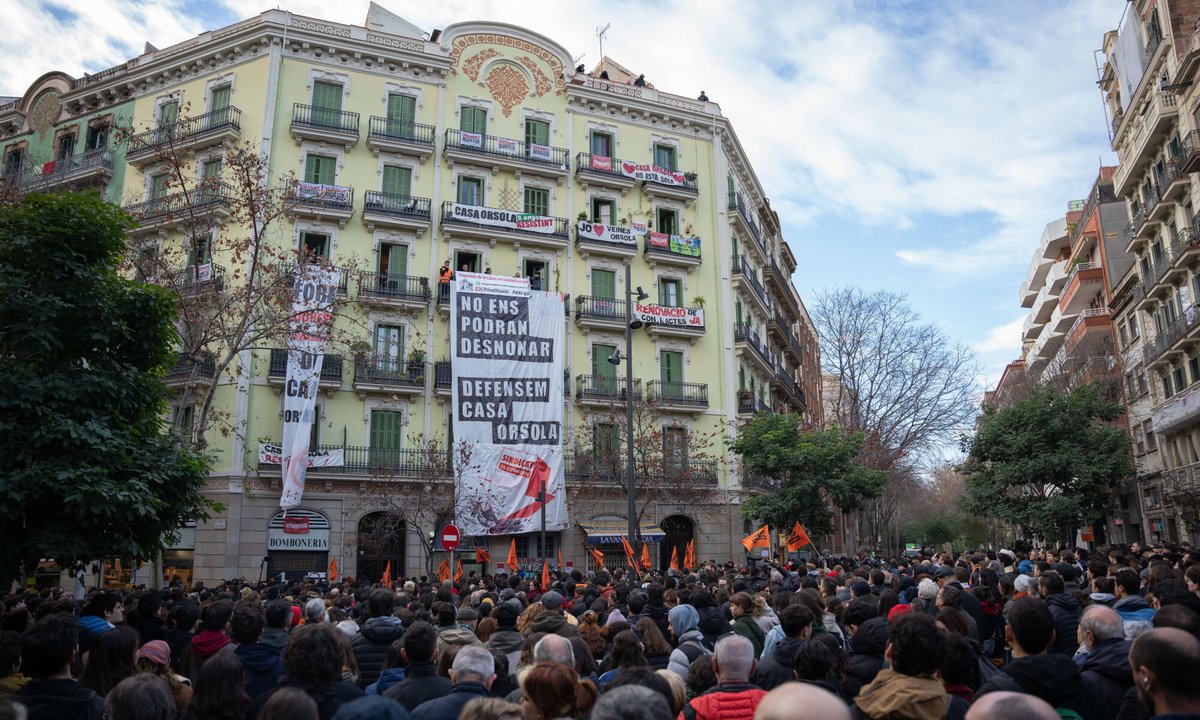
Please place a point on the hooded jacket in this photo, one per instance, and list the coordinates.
(893, 696)
(263, 667)
(1107, 668)
(1066, 611)
(746, 626)
(1052, 677)
(61, 699)
(684, 623)
(508, 641)
(776, 669)
(551, 622)
(1135, 613)
(276, 638)
(205, 644)
(371, 646)
(869, 642)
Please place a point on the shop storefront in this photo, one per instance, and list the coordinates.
(297, 544)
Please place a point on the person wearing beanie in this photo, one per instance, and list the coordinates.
(552, 621)
(506, 639)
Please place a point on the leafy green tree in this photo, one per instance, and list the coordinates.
(1044, 462)
(808, 468)
(932, 532)
(87, 467)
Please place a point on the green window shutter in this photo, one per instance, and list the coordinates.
(729, 182)
(470, 191)
(601, 144)
(402, 109)
(389, 346)
(737, 312)
(327, 96)
(604, 284)
(601, 367)
(386, 431)
(158, 186)
(473, 120)
(314, 433)
(537, 201)
(670, 366)
(319, 169)
(397, 180)
(733, 241)
(168, 114)
(219, 100)
(664, 156)
(741, 377)
(211, 170)
(397, 260)
(537, 132)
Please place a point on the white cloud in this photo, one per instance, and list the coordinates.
(1002, 338)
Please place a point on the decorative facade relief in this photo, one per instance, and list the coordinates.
(508, 87)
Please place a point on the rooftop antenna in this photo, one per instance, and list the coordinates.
(600, 33)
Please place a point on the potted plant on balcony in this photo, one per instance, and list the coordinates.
(416, 365)
(745, 400)
(698, 301)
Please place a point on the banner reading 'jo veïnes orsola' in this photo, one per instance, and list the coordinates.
(507, 345)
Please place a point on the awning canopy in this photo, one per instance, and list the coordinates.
(610, 533)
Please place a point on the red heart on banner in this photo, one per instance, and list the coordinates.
(627, 167)
(599, 229)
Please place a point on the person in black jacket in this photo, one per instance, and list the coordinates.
(47, 652)
(313, 663)
(1106, 663)
(421, 681)
(262, 664)
(472, 674)
(1065, 609)
(868, 642)
(378, 633)
(656, 609)
(776, 669)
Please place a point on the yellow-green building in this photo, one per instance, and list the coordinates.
(389, 130)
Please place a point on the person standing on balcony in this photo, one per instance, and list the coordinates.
(640, 81)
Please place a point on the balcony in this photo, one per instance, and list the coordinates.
(672, 321)
(404, 138)
(389, 376)
(487, 223)
(604, 391)
(188, 135)
(1089, 322)
(190, 370)
(1163, 344)
(397, 212)
(606, 240)
(677, 396)
(500, 153)
(393, 291)
(1084, 279)
(323, 202)
(93, 167)
(331, 371)
(743, 222)
(197, 280)
(791, 391)
(1140, 132)
(1190, 162)
(1030, 329)
(599, 313)
(198, 209)
(1178, 412)
(750, 346)
(336, 127)
(661, 183)
(1173, 183)
(671, 250)
(750, 404)
(378, 463)
(778, 325)
(595, 468)
(602, 171)
(743, 275)
(288, 272)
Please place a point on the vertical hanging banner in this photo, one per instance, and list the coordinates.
(312, 316)
(507, 373)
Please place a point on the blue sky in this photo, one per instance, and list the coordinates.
(917, 146)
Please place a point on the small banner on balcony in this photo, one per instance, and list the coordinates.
(607, 233)
(330, 194)
(312, 316)
(495, 217)
(652, 173)
(541, 152)
(507, 344)
(671, 316)
(470, 139)
(507, 146)
(602, 163)
(676, 244)
(272, 454)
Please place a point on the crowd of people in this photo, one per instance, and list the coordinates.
(1112, 633)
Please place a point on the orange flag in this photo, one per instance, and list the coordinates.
(458, 573)
(482, 557)
(675, 558)
(512, 563)
(333, 574)
(387, 575)
(597, 557)
(760, 538)
(545, 575)
(689, 557)
(443, 571)
(630, 556)
(645, 556)
(798, 538)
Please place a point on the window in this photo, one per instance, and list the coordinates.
(674, 447)
(537, 272)
(314, 433)
(1143, 387)
(97, 137)
(66, 146)
(12, 162)
(604, 284)
(158, 186)
(200, 252)
(389, 347)
(401, 114)
(473, 120)
(467, 261)
(537, 132)
(537, 201)
(327, 104)
(1151, 440)
(664, 157)
(737, 313)
(1194, 368)
(741, 377)
(1122, 336)
(393, 260)
(470, 191)
(1156, 253)
(1134, 332)
(606, 439)
(1166, 385)
(670, 369)
(211, 170)
(1139, 440)
(168, 113)
(666, 221)
(386, 436)
(1179, 379)
(315, 245)
(604, 373)
(602, 144)
(603, 211)
(320, 169)
(397, 181)
(670, 292)
(1130, 386)
(185, 422)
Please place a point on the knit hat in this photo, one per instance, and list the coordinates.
(1024, 567)
(898, 611)
(614, 616)
(156, 651)
(552, 600)
(860, 589)
(1023, 583)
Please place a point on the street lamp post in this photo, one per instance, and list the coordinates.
(631, 324)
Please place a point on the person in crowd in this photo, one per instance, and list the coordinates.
(140, 697)
(1005, 705)
(220, 690)
(278, 616)
(950, 600)
(421, 681)
(149, 623)
(1165, 664)
(289, 703)
(734, 696)
(640, 80)
(471, 676)
(313, 662)
(506, 639)
(47, 653)
(702, 97)
(111, 659)
(795, 699)
(11, 677)
(630, 702)
(155, 658)
(491, 709)
(552, 619)
(553, 690)
(741, 608)
(381, 630)
(1105, 664)
(100, 614)
(212, 638)
(1136, 614)
(393, 671)
(1065, 608)
(627, 652)
(869, 639)
(657, 649)
(262, 664)
(181, 622)
(776, 670)
(909, 688)
(690, 643)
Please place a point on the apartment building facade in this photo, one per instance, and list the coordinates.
(408, 150)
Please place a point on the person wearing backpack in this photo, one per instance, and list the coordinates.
(776, 668)
(685, 626)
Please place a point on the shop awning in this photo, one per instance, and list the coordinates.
(610, 533)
